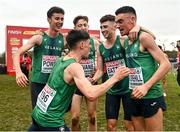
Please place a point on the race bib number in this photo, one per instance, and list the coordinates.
(135, 77)
(113, 65)
(88, 66)
(48, 63)
(45, 97)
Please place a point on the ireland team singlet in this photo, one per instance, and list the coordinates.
(89, 63)
(44, 57)
(142, 67)
(54, 99)
(112, 59)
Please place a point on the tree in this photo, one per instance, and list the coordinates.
(2, 58)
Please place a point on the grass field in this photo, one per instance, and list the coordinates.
(15, 107)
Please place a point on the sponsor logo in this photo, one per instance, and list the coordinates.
(29, 32)
(14, 41)
(154, 103)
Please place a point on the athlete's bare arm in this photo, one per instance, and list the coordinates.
(148, 31)
(99, 73)
(96, 45)
(75, 72)
(148, 44)
(21, 79)
(133, 34)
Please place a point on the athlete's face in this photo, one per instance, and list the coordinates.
(86, 48)
(125, 22)
(81, 25)
(108, 28)
(56, 21)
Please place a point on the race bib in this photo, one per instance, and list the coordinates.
(88, 66)
(45, 97)
(48, 63)
(135, 77)
(113, 65)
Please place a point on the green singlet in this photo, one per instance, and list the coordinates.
(89, 63)
(56, 96)
(112, 59)
(44, 57)
(142, 66)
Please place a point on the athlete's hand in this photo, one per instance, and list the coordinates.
(91, 80)
(133, 34)
(21, 79)
(139, 92)
(121, 72)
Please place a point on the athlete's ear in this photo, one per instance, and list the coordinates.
(133, 19)
(81, 44)
(49, 20)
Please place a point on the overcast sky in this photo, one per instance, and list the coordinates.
(162, 17)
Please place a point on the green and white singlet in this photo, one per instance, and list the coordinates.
(54, 99)
(44, 57)
(142, 66)
(112, 59)
(89, 63)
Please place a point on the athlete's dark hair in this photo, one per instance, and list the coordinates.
(108, 17)
(53, 10)
(77, 18)
(126, 9)
(75, 36)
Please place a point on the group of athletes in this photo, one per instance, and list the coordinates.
(131, 66)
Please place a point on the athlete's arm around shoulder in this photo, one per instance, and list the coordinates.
(20, 77)
(147, 43)
(76, 72)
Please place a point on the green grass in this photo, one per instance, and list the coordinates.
(15, 107)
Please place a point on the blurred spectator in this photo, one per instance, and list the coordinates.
(25, 63)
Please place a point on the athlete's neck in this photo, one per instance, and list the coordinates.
(111, 40)
(76, 56)
(52, 33)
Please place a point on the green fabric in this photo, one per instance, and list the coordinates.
(54, 116)
(44, 57)
(148, 65)
(112, 58)
(89, 63)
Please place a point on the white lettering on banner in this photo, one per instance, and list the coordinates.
(135, 77)
(48, 63)
(113, 65)
(45, 97)
(14, 32)
(88, 66)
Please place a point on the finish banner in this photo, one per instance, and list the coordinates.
(16, 36)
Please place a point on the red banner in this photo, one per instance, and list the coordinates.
(15, 36)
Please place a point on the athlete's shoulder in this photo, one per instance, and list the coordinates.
(36, 39)
(145, 36)
(96, 40)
